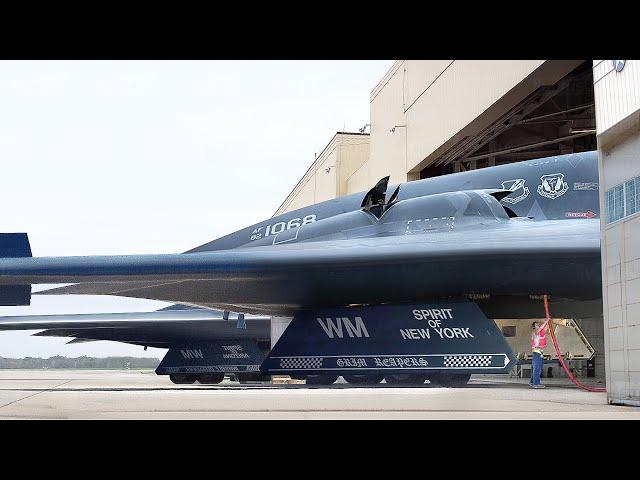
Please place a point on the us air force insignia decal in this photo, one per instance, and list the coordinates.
(518, 189)
(553, 185)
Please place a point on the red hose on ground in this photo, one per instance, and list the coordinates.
(559, 355)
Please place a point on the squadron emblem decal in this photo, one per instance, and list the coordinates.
(553, 185)
(518, 187)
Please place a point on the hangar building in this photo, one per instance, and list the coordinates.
(617, 99)
(429, 118)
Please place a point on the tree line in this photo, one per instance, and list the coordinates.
(79, 362)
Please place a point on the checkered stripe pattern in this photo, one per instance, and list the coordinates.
(292, 363)
(467, 360)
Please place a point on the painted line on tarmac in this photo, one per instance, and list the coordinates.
(32, 379)
(37, 393)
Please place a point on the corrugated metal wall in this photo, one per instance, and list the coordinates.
(617, 94)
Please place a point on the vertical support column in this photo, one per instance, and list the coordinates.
(411, 176)
(492, 148)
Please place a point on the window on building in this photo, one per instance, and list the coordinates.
(615, 204)
(623, 200)
(609, 205)
(630, 197)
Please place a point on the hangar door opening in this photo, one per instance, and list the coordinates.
(553, 120)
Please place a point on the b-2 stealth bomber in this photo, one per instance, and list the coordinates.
(397, 283)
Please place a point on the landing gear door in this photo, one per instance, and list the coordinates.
(448, 337)
(222, 356)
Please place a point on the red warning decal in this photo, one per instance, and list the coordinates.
(588, 214)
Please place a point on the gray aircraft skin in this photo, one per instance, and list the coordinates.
(174, 325)
(501, 236)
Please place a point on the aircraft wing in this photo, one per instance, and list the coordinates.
(559, 257)
(162, 328)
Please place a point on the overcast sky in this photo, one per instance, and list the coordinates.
(118, 157)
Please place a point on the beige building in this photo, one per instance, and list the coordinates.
(617, 97)
(329, 175)
(434, 117)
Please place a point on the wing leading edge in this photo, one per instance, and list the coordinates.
(559, 257)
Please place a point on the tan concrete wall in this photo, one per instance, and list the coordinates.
(329, 174)
(433, 100)
(305, 195)
(617, 99)
(388, 149)
(326, 176)
(463, 90)
(353, 153)
(429, 105)
(359, 181)
(621, 279)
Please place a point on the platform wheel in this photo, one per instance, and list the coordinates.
(210, 378)
(321, 379)
(183, 378)
(450, 380)
(363, 379)
(405, 379)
